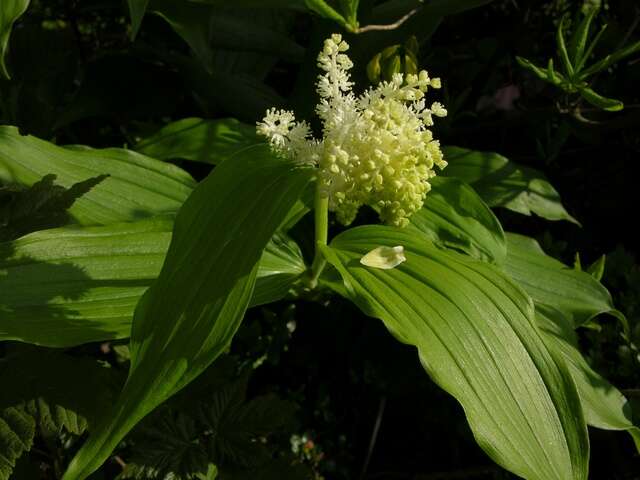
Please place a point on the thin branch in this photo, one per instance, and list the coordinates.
(390, 26)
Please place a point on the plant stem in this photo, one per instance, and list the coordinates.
(321, 214)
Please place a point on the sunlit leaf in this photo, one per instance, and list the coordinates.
(476, 337)
(604, 406)
(502, 183)
(137, 186)
(577, 295)
(190, 314)
(454, 216)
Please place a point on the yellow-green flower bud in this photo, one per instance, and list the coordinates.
(376, 148)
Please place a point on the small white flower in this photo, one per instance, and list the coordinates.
(376, 148)
(384, 258)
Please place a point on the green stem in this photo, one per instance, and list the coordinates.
(321, 215)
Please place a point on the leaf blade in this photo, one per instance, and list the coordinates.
(203, 289)
(447, 307)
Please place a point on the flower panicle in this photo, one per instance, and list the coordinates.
(376, 149)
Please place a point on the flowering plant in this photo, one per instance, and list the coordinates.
(116, 261)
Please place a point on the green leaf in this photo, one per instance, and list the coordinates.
(42, 205)
(68, 286)
(137, 9)
(476, 337)
(170, 447)
(50, 391)
(596, 269)
(17, 430)
(562, 48)
(454, 216)
(137, 186)
(587, 54)
(609, 60)
(10, 11)
(199, 140)
(539, 72)
(205, 27)
(604, 406)
(280, 266)
(502, 183)
(597, 100)
(579, 39)
(577, 295)
(190, 314)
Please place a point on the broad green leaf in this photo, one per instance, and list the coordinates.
(42, 205)
(50, 392)
(577, 295)
(475, 334)
(392, 10)
(204, 28)
(502, 183)
(454, 216)
(68, 286)
(199, 140)
(190, 314)
(597, 100)
(137, 186)
(10, 11)
(604, 406)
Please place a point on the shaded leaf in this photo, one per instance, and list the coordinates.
(10, 11)
(43, 205)
(199, 140)
(577, 295)
(17, 430)
(476, 337)
(597, 100)
(502, 183)
(50, 391)
(454, 216)
(170, 448)
(203, 289)
(604, 406)
(69, 286)
(137, 186)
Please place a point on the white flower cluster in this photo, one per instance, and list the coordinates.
(376, 149)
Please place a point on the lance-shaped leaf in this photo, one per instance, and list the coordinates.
(577, 295)
(190, 314)
(502, 183)
(10, 11)
(597, 100)
(603, 404)
(199, 140)
(136, 187)
(73, 285)
(475, 334)
(454, 216)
